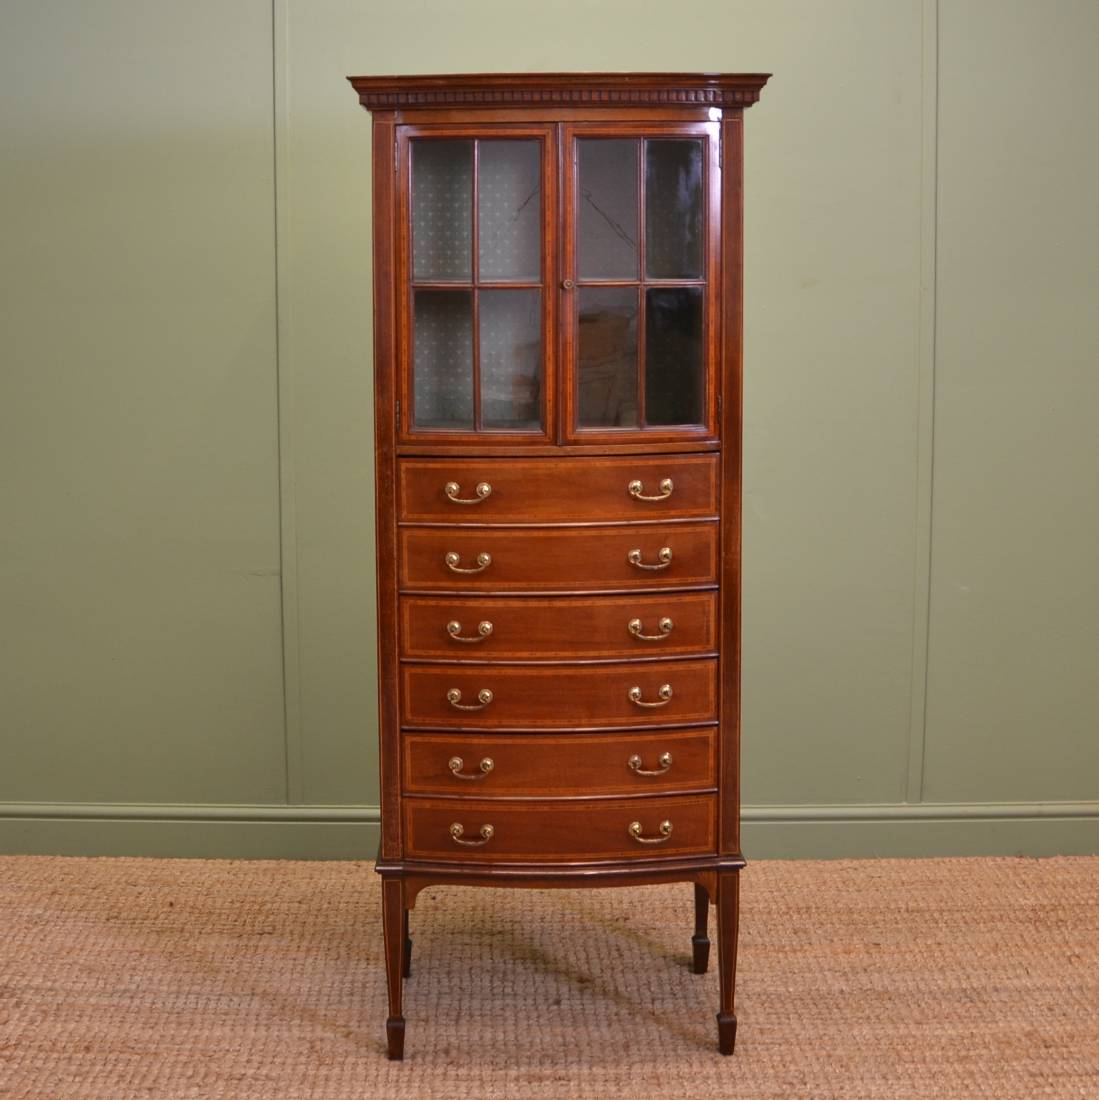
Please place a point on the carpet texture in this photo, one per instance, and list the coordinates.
(128, 978)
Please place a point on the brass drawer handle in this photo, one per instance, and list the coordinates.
(634, 764)
(455, 765)
(454, 629)
(634, 627)
(456, 830)
(637, 490)
(665, 556)
(665, 832)
(483, 562)
(482, 489)
(665, 694)
(454, 698)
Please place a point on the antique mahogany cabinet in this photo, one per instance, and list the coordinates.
(557, 354)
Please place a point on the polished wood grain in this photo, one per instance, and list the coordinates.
(562, 830)
(544, 491)
(562, 628)
(563, 875)
(509, 449)
(393, 911)
(559, 581)
(700, 941)
(679, 112)
(385, 504)
(558, 559)
(732, 370)
(532, 91)
(728, 911)
(528, 765)
(559, 696)
(406, 954)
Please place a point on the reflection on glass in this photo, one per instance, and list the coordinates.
(508, 211)
(607, 208)
(443, 359)
(607, 359)
(442, 210)
(511, 358)
(673, 209)
(673, 355)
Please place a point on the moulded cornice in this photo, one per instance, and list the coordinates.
(503, 90)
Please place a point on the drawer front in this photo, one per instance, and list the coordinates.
(649, 693)
(559, 831)
(541, 765)
(554, 559)
(556, 490)
(562, 628)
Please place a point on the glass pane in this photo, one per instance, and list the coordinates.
(607, 208)
(673, 209)
(673, 355)
(442, 211)
(443, 359)
(511, 358)
(607, 379)
(509, 210)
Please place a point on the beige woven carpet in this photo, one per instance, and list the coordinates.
(129, 978)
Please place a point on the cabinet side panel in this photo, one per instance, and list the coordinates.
(386, 502)
(732, 260)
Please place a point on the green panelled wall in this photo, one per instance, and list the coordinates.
(1013, 673)
(139, 491)
(186, 558)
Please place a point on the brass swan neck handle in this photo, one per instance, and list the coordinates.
(456, 763)
(452, 560)
(664, 691)
(637, 630)
(454, 698)
(456, 831)
(483, 490)
(664, 559)
(635, 764)
(636, 829)
(636, 489)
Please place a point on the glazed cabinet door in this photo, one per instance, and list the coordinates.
(476, 210)
(640, 276)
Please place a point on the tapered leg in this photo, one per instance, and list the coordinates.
(700, 941)
(406, 959)
(727, 921)
(393, 926)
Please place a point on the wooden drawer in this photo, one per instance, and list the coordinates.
(558, 831)
(559, 765)
(558, 558)
(576, 697)
(556, 490)
(567, 627)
